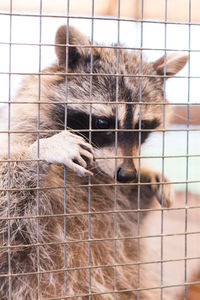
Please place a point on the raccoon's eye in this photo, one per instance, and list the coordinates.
(142, 125)
(102, 124)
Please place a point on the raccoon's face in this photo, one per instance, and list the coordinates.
(110, 107)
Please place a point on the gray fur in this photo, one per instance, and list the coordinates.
(20, 184)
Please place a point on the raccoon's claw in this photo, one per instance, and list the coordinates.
(84, 159)
(163, 192)
(87, 148)
(76, 167)
(68, 149)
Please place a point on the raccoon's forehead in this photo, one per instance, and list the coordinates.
(99, 109)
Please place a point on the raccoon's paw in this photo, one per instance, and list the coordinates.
(163, 192)
(68, 149)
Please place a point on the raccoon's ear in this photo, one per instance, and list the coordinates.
(171, 65)
(75, 38)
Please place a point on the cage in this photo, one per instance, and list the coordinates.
(64, 236)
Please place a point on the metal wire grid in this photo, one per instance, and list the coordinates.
(187, 151)
(9, 253)
(114, 212)
(38, 156)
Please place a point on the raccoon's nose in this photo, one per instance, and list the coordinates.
(126, 175)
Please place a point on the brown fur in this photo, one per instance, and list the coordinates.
(62, 232)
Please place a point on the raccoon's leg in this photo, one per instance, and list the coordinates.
(152, 187)
(65, 148)
(21, 184)
(160, 187)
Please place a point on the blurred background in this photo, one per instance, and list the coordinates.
(154, 27)
(176, 10)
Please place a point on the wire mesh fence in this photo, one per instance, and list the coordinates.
(99, 189)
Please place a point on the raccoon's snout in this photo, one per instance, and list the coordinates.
(126, 174)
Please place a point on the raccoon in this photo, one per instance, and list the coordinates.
(55, 243)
